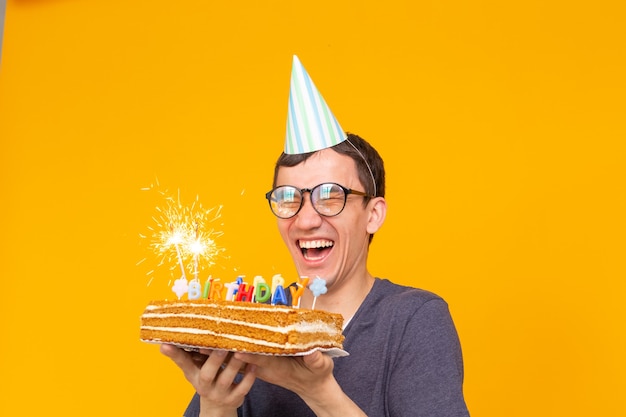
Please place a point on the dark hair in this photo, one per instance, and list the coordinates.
(365, 158)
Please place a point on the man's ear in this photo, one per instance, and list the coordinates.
(378, 212)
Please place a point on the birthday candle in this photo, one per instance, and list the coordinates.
(297, 293)
(244, 294)
(180, 287)
(256, 281)
(262, 292)
(207, 286)
(216, 292)
(279, 296)
(232, 288)
(193, 293)
(276, 281)
(317, 287)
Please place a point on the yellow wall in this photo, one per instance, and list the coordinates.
(502, 126)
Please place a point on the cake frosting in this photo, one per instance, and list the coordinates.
(240, 326)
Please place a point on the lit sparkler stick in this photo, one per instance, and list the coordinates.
(177, 239)
(182, 238)
(196, 248)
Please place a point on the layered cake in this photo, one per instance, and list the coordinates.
(240, 326)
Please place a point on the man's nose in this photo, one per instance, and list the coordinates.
(308, 217)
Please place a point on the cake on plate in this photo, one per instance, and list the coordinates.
(241, 326)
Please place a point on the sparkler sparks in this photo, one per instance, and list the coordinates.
(184, 236)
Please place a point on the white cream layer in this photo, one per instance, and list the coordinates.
(236, 337)
(314, 327)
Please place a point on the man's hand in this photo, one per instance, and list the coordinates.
(299, 374)
(310, 376)
(212, 373)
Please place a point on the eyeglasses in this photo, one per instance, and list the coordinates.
(328, 199)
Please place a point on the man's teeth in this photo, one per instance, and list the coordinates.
(314, 244)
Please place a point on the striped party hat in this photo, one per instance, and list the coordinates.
(311, 125)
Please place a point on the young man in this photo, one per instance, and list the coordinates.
(405, 357)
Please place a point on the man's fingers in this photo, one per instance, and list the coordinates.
(258, 360)
(316, 360)
(178, 355)
(213, 365)
(249, 376)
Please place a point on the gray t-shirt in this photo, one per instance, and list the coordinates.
(405, 360)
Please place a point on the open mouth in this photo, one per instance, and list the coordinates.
(313, 250)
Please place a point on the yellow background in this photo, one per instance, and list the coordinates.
(501, 123)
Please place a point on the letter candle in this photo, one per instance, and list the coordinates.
(216, 290)
(278, 290)
(297, 293)
(255, 282)
(279, 296)
(193, 293)
(276, 281)
(231, 291)
(245, 292)
(207, 286)
(262, 293)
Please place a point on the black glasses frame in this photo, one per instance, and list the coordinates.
(346, 192)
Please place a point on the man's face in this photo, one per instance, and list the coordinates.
(333, 248)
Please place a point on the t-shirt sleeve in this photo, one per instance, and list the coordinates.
(193, 409)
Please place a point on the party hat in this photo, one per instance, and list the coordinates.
(311, 125)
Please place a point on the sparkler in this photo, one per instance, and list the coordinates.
(183, 237)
